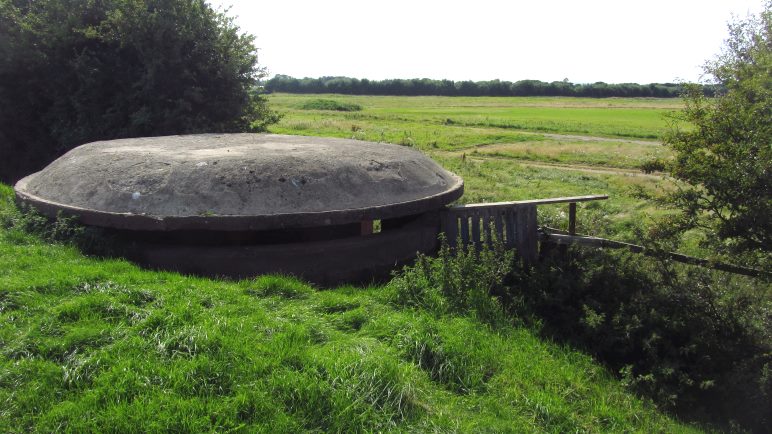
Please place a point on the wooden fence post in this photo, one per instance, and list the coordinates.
(514, 223)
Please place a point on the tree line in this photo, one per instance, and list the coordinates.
(426, 86)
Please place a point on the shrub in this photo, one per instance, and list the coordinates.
(79, 71)
(329, 104)
(653, 165)
(458, 281)
(698, 342)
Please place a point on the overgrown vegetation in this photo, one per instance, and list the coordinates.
(330, 104)
(79, 71)
(696, 342)
(457, 282)
(90, 344)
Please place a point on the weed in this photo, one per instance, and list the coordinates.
(460, 280)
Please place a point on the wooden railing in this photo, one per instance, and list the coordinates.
(514, 223)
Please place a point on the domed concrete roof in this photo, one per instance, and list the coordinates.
(238, 182)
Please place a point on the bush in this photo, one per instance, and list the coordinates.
(653, 165)
(457, 282)
(329, 104)
(698, 342)
(76, 71)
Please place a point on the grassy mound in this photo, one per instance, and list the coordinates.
(101, 345)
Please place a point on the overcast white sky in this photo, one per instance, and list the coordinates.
(586, 41)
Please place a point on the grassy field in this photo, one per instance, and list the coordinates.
(518, 148)
(100, 345)
(609, 117)
(92, 345)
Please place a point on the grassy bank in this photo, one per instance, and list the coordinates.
(100, 345)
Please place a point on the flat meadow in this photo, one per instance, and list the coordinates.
(514, 148)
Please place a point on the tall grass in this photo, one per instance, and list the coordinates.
(99, 345)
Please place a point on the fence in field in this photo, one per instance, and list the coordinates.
(514, 223)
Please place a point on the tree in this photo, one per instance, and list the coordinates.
(74, 71)
(723, 145)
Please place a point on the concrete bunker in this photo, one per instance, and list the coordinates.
(238, 205)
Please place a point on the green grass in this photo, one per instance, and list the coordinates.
(609, 117)
(495, 180)
(100, 345)
(524, 127)
(520, 148)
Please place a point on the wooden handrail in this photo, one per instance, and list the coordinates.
(554, 200)
(515, 223)
(563, 239)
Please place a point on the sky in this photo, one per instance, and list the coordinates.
(615, 41)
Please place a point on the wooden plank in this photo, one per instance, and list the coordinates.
(498, 217)
(562, 239)
(450, 227)
(510, 221)
(475, 226)
(483, 218)
(526, 242)
(549, 201)
(531, 241)
(572, 218)
(520, 231)
(464, 228)
(486, 218)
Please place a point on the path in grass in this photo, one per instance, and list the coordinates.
(600, 139)
(598, 132)
(578, 168)
(568, 138)
(615, 164)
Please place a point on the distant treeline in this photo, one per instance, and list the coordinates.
(425, 86)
